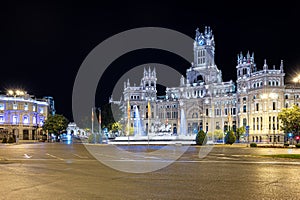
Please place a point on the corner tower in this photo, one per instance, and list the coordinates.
(148, 83)
(245, 67)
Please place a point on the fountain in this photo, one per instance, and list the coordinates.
(183, 127)
(140, 136)
(137, 124)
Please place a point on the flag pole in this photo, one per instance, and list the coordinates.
(93, 125)
(99, 124)
(149, 114)
(128, 116)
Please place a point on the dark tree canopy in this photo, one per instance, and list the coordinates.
(230, 137)
(200, 138)
(55, 124)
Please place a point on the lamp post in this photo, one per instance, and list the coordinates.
(273, 134)
(296, 80)
(99, 123)
(93, 125)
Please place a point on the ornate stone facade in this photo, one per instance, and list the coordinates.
(204, 101)
(22, 116)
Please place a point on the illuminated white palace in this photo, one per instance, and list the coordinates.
(22, 115)
(204, 101)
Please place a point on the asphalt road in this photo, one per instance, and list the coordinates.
(69, 171)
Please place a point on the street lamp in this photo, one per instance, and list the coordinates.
(295, 80)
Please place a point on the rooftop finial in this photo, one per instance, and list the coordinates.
(265, 64)
(281, 66)
(197, 33)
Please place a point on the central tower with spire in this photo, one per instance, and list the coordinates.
(204, 48)
(203, 68)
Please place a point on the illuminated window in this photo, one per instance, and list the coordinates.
(25, 120)
(25, 106)
(15, 106)
(41, 110)
(15, 119)
(1, 118)
(33, 108)
(41, 121)
(1, 106)
(34, 120)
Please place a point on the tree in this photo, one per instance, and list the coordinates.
(116, 127)
(108, 117)
(290, 118)
(214, 136)
(218, 134)
(230, 137)
(55, 124)
(131, 130)
(239, 132)
(200, 138)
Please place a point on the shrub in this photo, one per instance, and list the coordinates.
(298, 145)
(230, 137)
(4, 140)
(11, 140)
(91, 138)
(200, 138)
(253, 144)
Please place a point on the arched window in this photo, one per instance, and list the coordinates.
(34, 119)
(15, 119)
(25, 119)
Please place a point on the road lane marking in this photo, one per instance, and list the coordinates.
(80, 156)
(27, 156)
(47, 159)
(212, 161)
(53, 156)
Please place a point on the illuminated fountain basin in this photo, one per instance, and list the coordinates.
(161, 139)
(140, 137)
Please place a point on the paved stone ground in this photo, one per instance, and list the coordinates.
(61, 171)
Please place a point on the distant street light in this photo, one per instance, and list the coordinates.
(295, 80)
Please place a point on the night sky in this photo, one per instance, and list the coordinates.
(43, 44)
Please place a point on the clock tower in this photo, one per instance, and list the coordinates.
(203, 68)
(204, 48)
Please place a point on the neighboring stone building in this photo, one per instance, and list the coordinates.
(204, 101)
(22, 115)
